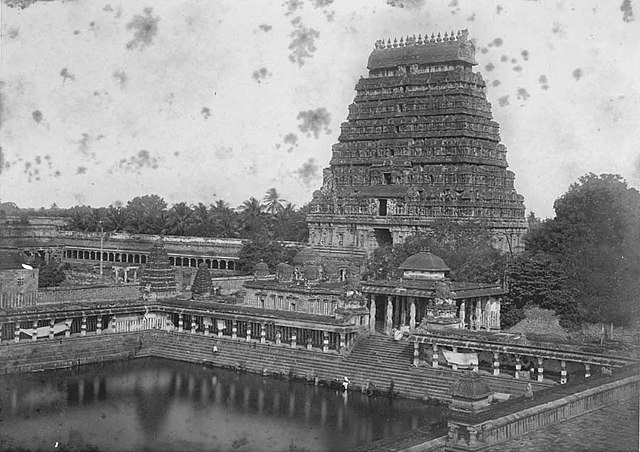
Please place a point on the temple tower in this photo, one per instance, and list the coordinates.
(419, 145)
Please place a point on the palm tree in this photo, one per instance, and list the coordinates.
(272, 202)
(179, 218)
(224, 219)
(252, 219)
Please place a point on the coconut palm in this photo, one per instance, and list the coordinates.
(272, 202)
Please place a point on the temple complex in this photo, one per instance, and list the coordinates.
(419, 145)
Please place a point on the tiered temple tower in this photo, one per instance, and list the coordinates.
(419, 145)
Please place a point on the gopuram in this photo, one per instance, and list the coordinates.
(419, 145)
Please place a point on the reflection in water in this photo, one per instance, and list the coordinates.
(156, 404)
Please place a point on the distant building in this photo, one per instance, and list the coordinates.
(310, 286)
(419, 145)
(425, 298)
(18, 281)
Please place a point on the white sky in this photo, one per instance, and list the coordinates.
(120, 95)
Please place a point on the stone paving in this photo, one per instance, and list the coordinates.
(611, 428)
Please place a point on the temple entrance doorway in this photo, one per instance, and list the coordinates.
(383, 237)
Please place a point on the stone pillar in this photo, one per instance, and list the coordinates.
(193, 324)
(454, 366)
(83, 326)
(16, 333)
(99, 325)
(496, 363)
(416, 353)
(35, 331)
(135, 275)
(248, 335)
(403, 310)
(0, 333)
(473, 437)
(434, 356)
(412, 314)
(234, 330)
(518, 366)
(372, 314)
(278, 337)
(294, 338)
(388, 318)
(180, 323)
(462, 313)
(263, 334)
(69, 322)
(113, 324)
(325, 342)
(206, 328)
(309, 343)
(540, 370)
(587, 371)
(342, 343)
(563, 372)
(215, 322)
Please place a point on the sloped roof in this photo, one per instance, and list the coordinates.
(471, 386)
(424, 261)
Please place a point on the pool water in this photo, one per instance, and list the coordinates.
(152, 404)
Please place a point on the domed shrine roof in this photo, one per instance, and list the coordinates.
(424, 261)
(471, 386)
(261, 267)
(307, 256)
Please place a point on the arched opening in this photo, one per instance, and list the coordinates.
(215, 264)
(231, 265)
(111, 257)
(143, 259)
(223, 265)
(172, 261)
(208, 262)
(192, 262)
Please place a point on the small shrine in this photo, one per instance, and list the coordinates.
(158, 278)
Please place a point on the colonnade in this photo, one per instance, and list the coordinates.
(264, 332)
(307, 337)
(141, 258)
(537, 362)
(404, 312)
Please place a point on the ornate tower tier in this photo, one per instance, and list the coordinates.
(419, 145)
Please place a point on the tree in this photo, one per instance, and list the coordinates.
(254, 224)
(595, 235)
(146, 214)
(224, 220)
(272, 202)
(466, 248)
(115, 219)
(51, 274)
(271, 252)
(179, 219)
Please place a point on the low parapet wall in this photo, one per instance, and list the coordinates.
(91, 293)
(513, 425)
(555, 405)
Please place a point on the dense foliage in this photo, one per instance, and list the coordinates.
(270, 219)
(465, 247)
(585, 262)
(270, 252)
(50, 274)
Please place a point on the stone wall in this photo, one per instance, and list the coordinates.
(92, 293)
(230, 284)
(499, 425)
(18, 287)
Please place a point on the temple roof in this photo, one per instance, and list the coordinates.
(417, 51)
(307, 256)
(424, 261)
(425, 288)
(471, 386)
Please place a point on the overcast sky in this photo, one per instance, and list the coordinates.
(204, 100)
